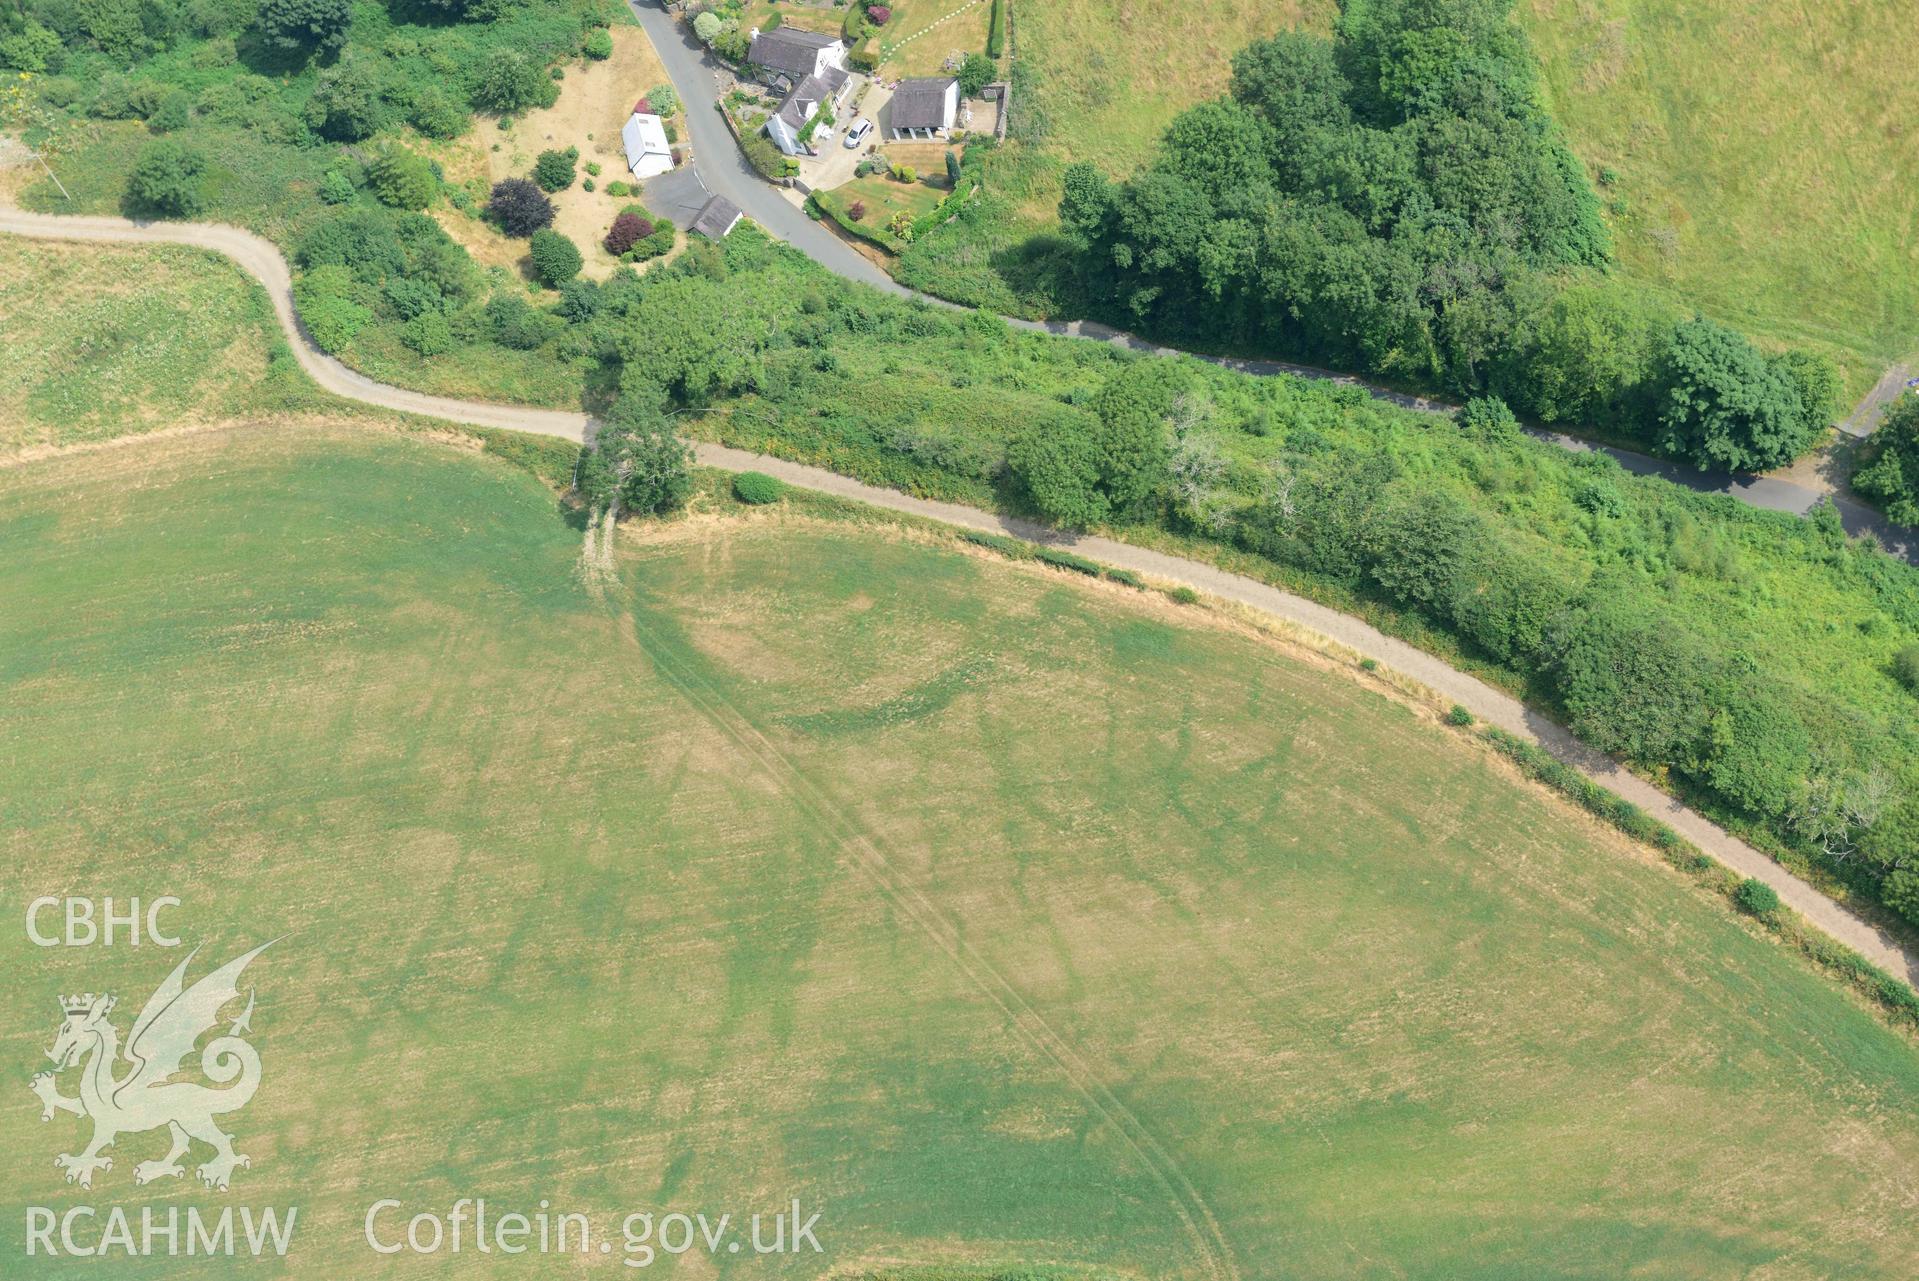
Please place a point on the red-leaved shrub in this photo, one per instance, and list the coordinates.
(856, 210)
(879, 14)
(628, 230)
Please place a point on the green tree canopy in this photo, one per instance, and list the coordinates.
(318, 26)
(166, 180)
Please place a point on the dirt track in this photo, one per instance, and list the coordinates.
(263, 261)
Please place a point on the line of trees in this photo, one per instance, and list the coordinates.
(1397, 200)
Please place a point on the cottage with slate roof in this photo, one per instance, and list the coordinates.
(786, 56)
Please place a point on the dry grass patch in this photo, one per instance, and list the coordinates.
(1765, 159)
(1112, 74)
(596, 98)
(104, 341)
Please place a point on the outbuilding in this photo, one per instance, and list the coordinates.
(716, 218)
(647, 151)
(923, 108)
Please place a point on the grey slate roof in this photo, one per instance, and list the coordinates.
(921, 103)
(814, 90)
(789, 50)
(716, 218)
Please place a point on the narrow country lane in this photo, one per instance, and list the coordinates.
(725, 172)
(260, 259)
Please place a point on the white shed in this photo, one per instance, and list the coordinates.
(647, 151)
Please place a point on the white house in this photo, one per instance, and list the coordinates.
(787, 55)
(826, 91)
(647, 151)
(923, 108)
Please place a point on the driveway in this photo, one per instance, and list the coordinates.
(679, 194)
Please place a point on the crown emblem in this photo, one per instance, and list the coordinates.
(82, 1002)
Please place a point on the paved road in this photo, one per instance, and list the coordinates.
(726, 172)
(263, 261)
(1864, 419)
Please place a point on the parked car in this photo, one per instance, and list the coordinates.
(857, 134)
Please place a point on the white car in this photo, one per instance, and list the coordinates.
(857, 134)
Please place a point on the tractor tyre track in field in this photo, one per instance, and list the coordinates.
(262, 260)
(871, 854)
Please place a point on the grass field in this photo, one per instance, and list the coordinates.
(110, 342)
(1764, 155)
(1110, 75)
(1758, 157)
(644, 901)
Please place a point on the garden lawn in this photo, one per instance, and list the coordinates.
(634, 901)
(884, 199)
(596, 100)
(923, 35)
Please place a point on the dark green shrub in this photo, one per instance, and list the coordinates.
(319, 26)
(996, 32)
(409, 297)
(509, 81)
(325, 298)
(553, 171)
(428, 333)
(1487, 417)
(556, 259)
(598, 44)
(1368, 664)
(1905, 667)
(975, 73)
(1757, 897)
(348, 102)
(516, 323)
(1011, 548)
(402, 179)
(1891, 473)
(1459, 716)
(166, 180)
(1126, 577)
(1900, 892)
(579, 301)
(435, 113)
(174, 112)
(32, 48)
(335, 188)
(1063, 559)
(757, 488)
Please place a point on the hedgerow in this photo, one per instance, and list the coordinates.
(1666, 625)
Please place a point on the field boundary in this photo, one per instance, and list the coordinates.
(263, 261)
